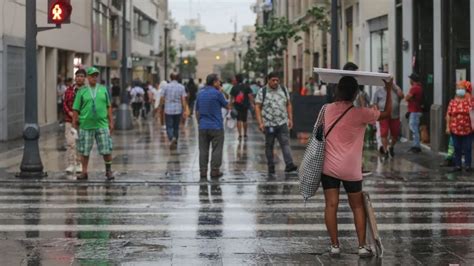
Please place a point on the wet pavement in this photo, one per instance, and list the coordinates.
(158, 212)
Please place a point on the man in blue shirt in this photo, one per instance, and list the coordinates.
(210, 101)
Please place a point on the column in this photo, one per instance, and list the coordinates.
(472, 39)
(436, 111)
(407, 36)
(51, 76)
(407, 57)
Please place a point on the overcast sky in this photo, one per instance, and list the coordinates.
(216, 15)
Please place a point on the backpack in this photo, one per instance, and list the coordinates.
(264, 93)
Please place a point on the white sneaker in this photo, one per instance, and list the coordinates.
(78, 168)
(365, 252)
(334, 251)
(70, 169)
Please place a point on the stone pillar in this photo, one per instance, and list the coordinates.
(437, 119)
(408, 37)
(51, 76)
(407, 6)
(70, 65)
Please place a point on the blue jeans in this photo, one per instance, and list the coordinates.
(462, 145)
(414, 124)
(172, 126)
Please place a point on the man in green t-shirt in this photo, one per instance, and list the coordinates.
(93, 117)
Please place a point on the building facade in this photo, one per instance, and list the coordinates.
(433, 38)
(59, 52)
(94, 37)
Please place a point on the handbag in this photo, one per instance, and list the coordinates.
(311, 167)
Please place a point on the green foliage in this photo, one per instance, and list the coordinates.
(189, 69)
(320, 15)
(228, 71)
(172, 53)
(272, 39)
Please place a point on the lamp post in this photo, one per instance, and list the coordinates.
(167, 29)
(180, 60)
(31, 165)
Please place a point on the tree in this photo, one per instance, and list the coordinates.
(227, 71)
(189, 67)
(252, 62)
(318, 15)
(272, 40)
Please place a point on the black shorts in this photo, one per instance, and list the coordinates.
(329, 182)
(242, 114)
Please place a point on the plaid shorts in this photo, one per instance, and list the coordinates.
(102, 138)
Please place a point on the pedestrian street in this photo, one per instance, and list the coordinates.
(158, 212)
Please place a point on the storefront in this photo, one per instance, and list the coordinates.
(434, 39)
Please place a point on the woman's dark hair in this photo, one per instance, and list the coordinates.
(211, 78)
(347, 89)
(81, 71)
(191, 81)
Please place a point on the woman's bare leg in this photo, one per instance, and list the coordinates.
(330, 213)
(356, 201)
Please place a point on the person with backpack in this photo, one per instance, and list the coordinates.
(344, 134)
(138, 98)
(275, 118)
(241, 100)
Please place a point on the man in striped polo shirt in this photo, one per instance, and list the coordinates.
(209, 102)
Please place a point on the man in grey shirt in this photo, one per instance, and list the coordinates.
(390, 125)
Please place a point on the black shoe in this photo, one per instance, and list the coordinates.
(455, 170)
(391, 151)
(109, 175)
(447, 163)
(216, 174)
(82, 177)
(381, 150)
(291, 168)
(414, 150)
(468, 170)
(271, 170)
(203, 174)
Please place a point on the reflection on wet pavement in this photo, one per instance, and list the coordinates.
(159, 212)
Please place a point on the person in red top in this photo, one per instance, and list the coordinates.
(72, 160)
(458, 124)
(415, 100)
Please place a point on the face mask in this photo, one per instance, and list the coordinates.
(460, 92)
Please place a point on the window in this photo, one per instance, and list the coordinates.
(379, 51)
(143, 27)
(100, 27)
(117, 4)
